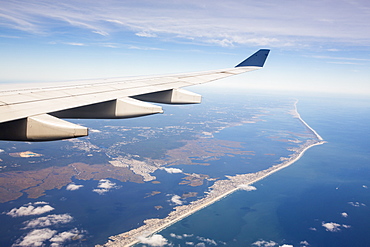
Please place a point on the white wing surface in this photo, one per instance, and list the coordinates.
(34, 112)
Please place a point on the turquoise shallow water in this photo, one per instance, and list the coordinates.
(321, 200)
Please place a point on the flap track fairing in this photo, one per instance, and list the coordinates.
(40, 128)
(114, 109)
(172, 96)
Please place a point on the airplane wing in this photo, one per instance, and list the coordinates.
(33, 113)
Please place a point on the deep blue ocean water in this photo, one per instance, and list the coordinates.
(328, 186)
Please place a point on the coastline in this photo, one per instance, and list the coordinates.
(218, 191)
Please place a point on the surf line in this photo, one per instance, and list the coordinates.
(304, 123)
(219, 190)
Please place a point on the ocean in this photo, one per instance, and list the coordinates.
(321, 200)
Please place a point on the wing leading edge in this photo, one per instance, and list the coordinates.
(33, 113)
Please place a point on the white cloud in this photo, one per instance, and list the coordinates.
(30, 209)
(62, 237)
(344, 214)
(286, 245)
(333, 227)
(312, 229)
(155, 240)
(304, 243)
(176, 236)
(207, 240)
(171, 170)
(104, 186)
(35, 237)
(357, 204)
(200, 245)
(48, 220)
(189, 243)
(247, 187)
(176, 199)
(74, 186)
(263, 243)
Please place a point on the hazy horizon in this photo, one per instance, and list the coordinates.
(315, 46)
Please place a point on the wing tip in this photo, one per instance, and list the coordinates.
(257, 59)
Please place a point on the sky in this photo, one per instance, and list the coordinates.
(316, 45)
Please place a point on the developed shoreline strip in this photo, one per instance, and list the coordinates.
(219, 190)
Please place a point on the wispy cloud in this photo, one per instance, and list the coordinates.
(176, 236)
(110, 45)
(75, 44)
(263, 243)
(102, 33)
(208, 241)
(267, 23)
(304, 243)
(357, 204)
(345, 63)
(342, 58)
(9, 37)
(30, 209)
(146, 34)
(134, 47)
(201, 244)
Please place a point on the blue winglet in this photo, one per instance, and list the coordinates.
(257, 59)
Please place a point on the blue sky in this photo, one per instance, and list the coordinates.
(321, 46)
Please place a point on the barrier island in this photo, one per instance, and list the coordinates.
(219, 190)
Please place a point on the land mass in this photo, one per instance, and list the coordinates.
(34, 183)
(217, 191)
